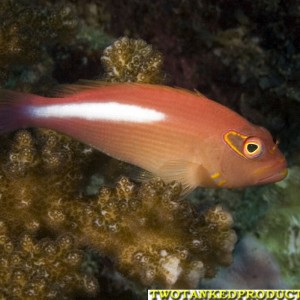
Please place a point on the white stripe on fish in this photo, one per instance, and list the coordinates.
(109, 111)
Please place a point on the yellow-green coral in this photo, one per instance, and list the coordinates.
(26, 28)
(129, 60)
(30, 172)
(44, 269)
(150, 234)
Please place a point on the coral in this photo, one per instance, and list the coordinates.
(129, 60)
(151, 235)
(26, 29)
(138, 228)
(45, 269)
(250, 202)
(238, 47)
(31, 168)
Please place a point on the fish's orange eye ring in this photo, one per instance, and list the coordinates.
(253, 147)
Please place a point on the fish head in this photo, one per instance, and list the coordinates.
(252, 157)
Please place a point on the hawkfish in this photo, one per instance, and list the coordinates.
(171, 133)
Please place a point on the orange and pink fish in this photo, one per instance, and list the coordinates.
(172, 133)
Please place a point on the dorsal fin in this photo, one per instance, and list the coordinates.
(199, 93)
(64, 90)
(81, 85)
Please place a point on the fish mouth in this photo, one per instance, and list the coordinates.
(273, 173)
(274, 177)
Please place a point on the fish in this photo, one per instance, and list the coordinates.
(171, 133)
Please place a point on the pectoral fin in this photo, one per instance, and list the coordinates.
(189, 174)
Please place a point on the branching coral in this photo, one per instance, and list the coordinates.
(129, 60)
(138, 228)
(150, 234)
(31, 169)
(19, 21)
(45, 269)
(236, 47)
(41, 43)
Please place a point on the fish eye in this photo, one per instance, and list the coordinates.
(253, 147)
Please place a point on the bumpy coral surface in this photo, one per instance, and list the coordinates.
(129, 60)
(151, 235)
(27, 28)
(45, 269)
(30, 172)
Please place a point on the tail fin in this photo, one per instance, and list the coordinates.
(13, 112)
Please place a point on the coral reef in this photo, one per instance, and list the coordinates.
(250, 202)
